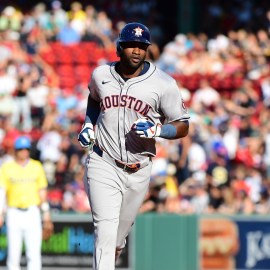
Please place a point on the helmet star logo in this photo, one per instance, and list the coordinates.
(138, 31)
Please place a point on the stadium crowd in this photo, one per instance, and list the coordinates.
(223, 166)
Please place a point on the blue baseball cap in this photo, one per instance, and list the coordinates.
(22, 142)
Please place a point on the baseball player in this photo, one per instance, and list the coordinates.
(23, 192)
(131, 102)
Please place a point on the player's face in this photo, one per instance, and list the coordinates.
(22, 154)
(134, 54)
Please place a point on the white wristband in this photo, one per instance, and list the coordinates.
(88, 125)
(45, 207)
(158, 130)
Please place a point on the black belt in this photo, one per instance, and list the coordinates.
(126, 167)
(22, 209)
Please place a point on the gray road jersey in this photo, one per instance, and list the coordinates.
(154, 95)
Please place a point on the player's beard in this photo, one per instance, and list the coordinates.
(130, 64)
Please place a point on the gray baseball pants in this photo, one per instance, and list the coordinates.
(115, 197)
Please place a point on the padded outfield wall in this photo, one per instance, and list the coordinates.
(162, 241)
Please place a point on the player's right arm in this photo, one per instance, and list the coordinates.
(86, 136)
(92, 111)
(93, 102)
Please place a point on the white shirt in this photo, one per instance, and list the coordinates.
(208, 96)
(38, 96)
(49, 145)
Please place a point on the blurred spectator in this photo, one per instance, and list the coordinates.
(172, 190)
(22, 107)
(8, 83)
(194, 197)
(218, 170)
(59, 16)
(77, 17)
(196, 156)
(265, 86)
(243, 203)
(62, 175)
(153, 52)
(182, 171)
(171, 53)
(48, 145)
(156, 196)
(66, 103)
(266, 155)
(10, 22)
(199, 202)
(215, 199)
(263, 205)
(42, 16)
(186, 95)
(75, 198)
(38, 98)
(254, 183)
(91, 31)
(55, 197)
(104, 24)
(37, 18)
(227, 207)
(206, 95)
(68, 35)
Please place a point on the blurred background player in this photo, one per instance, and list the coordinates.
(23, 188)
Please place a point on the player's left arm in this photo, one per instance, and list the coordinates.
(174, 130)
(44, 204)
(175, 112)
(42, 185)
(144, 128)
(47, 223)
(176, 115)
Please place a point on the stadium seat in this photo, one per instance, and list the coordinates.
(111, 55)
(65, 70)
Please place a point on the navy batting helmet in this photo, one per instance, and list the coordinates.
(134, 32)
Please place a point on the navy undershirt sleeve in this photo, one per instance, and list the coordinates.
(92, 111)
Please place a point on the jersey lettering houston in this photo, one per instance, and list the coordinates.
(154, 95)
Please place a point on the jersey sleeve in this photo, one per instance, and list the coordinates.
(93, 89)
(172, 104)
